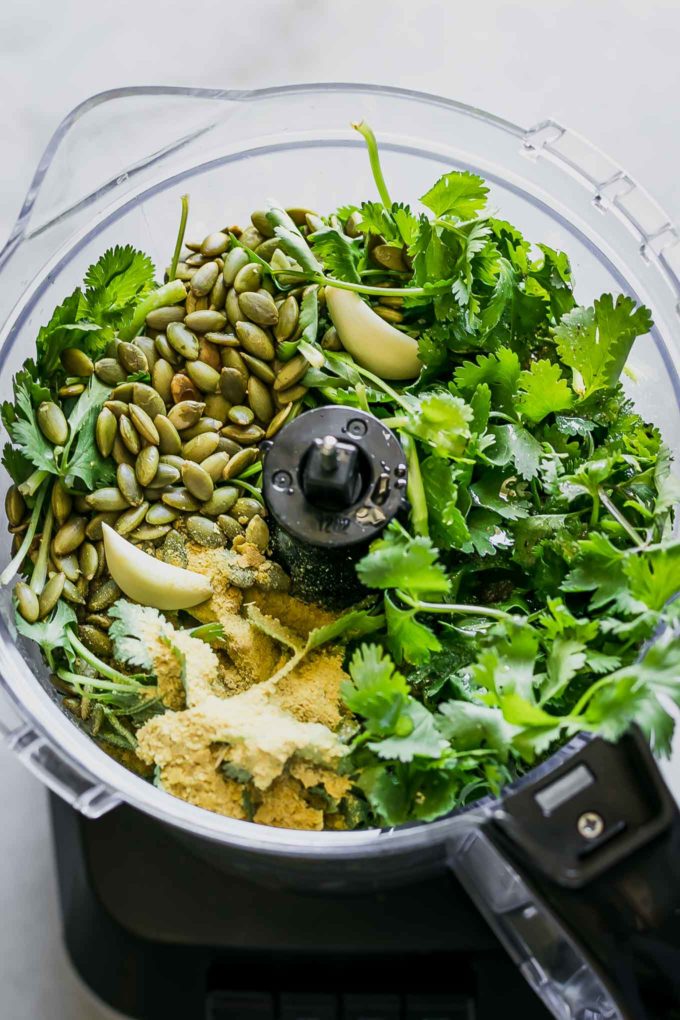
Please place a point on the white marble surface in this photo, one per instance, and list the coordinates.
(607, 69)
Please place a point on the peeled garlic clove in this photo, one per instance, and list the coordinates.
(149, 581)
(372, 342)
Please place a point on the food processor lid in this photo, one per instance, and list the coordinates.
(163, 135)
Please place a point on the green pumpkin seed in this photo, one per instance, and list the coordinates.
(216, 407)
(120, 452)
(146, 465)
(260, 400)
(218, 295)
(88, 560)
(278, 421)
(298, 214)
(167, 474)
(50, 595)
(233, 385)
(290, 395)
(72, 593)
(230, 528)
(146, 533)
(105, 595)
(67, 565)
(388, 314)
(148, 349)
(267, 248)
(185, 414)
(234, 262)
(79, 504)
(257, 533)
(168, 437)
(61, 502)
(390, 257)
(205, 321)
(204, 377)
(70, 536)
(330, 341)
(96, 640)
(205, 532)
(239, 462)
(94, 528)
(160, 318)
(245, 508)
(144, 425)
(222, 339)
(184, 272)
(27, 602)
(289, 313)
(131, 519)
(200, 447)
(221, 501)
(162, 375)
(261, 223)
(123, 393)
(196, 260)
(251, 238)
(255, 341)
(76, 362)
(164, 349)
(241, 415)
(215, 464)
(291, 373)
(180, 499)
(146, 397)
(353, 224)
(204, 424)
(159, 514)
(245, 435)
(198, 482)
(232, 307)
(109, 371)
(228, 446)
(105, 431)
(203, 280)
(183, 340)
(52, 422)
(129, 435)
(15, 506)
(132, 358)
(74, 390)
(261, 369)
(248, 278)
(128, 484)
(215, 244)
(390, 301)
(259, 307)
(116, 407)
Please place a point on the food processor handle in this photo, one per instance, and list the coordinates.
(578, 873)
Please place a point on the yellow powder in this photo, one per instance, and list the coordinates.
(203, 785)
(313, 775)
(284, 806)
(168, 672)
(299, 616)
(311, 691)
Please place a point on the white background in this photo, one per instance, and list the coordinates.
(607, 68)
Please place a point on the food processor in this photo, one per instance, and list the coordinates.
(171, 911)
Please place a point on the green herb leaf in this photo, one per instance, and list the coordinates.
(543, 391)
(399, 561)
(459, 194)
(408, 640)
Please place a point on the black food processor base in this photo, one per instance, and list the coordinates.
(160, 935)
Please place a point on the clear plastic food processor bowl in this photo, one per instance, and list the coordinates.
(114, 173)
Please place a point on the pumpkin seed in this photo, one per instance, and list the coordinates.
(70, 536)
(15, 506)
(290, 395)
(72, 593)
(182, 388)
(291, 373)
(232, 385)
(241, 415)
(390, 257)
(330, 341)
(353, 224)
(239, 462)
(168, 437)
(216, 406)
(67, 565)
(267, 248)
(129, 435)
(50, 595)
(198, 482)
(218, 295)
(76, 362)
(160, 318)
(255, 341)
(132, 358)
(246, 435)
(105, 431)
(180, 499)
(116, 407)
(146, 465)
(159, 514)
(245, 508)
(209, 353)
(165, 350)
(79, 504)
(259, 307)
(260, 399)
(96, 640)
(392, 315)
(234, 262)
(222, 339)
(94, 527)
(109, 371)
(123, 393)
(184, 272)
(88, 560)
(185, 414)
(204, 424)
(391, 302)
(248, 278)
(289, 313)
(215, 464)
(205, 532)
(205, 321)
(262, 369)
(228, 446)
(215, 244)
(104, 596)
(278, 421)
(144, 425)
(52, 422)
(128, 484)
(145, 533)
(251, 238)
(229, 527)
(120, 452)
(200, 447)
(221, 501)
(27, 602)
(173, 459)
(182, 340)
(131, 519)
(167, 474)
(74, 390)
(232, 307)
(146, 397)
(203, 280)
(257, 533)
(207, 379)
(161, 377)
(261, 223)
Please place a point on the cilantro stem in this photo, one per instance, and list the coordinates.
(415, 489)
(374, 158)
(109, 672)
(247, 486)
(39, 575)
(169, 294)
(381, 385)
(586, 697)
(612, 509)
(595, 512)
(456, 607)
(104, 685)
(33, 483)
(122, 730)
(16, 561)
(361, 288)
(172, 272)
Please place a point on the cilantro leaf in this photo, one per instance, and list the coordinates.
(376, 691)
(459, 194)
(132, 628)
(565, 659)
(421, 740)
(66, 328)
(407, 639)
(340, 254)
(543, 391)
(118, 280)
(399, 561)
(654, 574)
(598, 568)
(443, 421)
(22, 425)
(469, 725)
(492, 492)
(52, 632)
(447, 524)
(86, 462)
